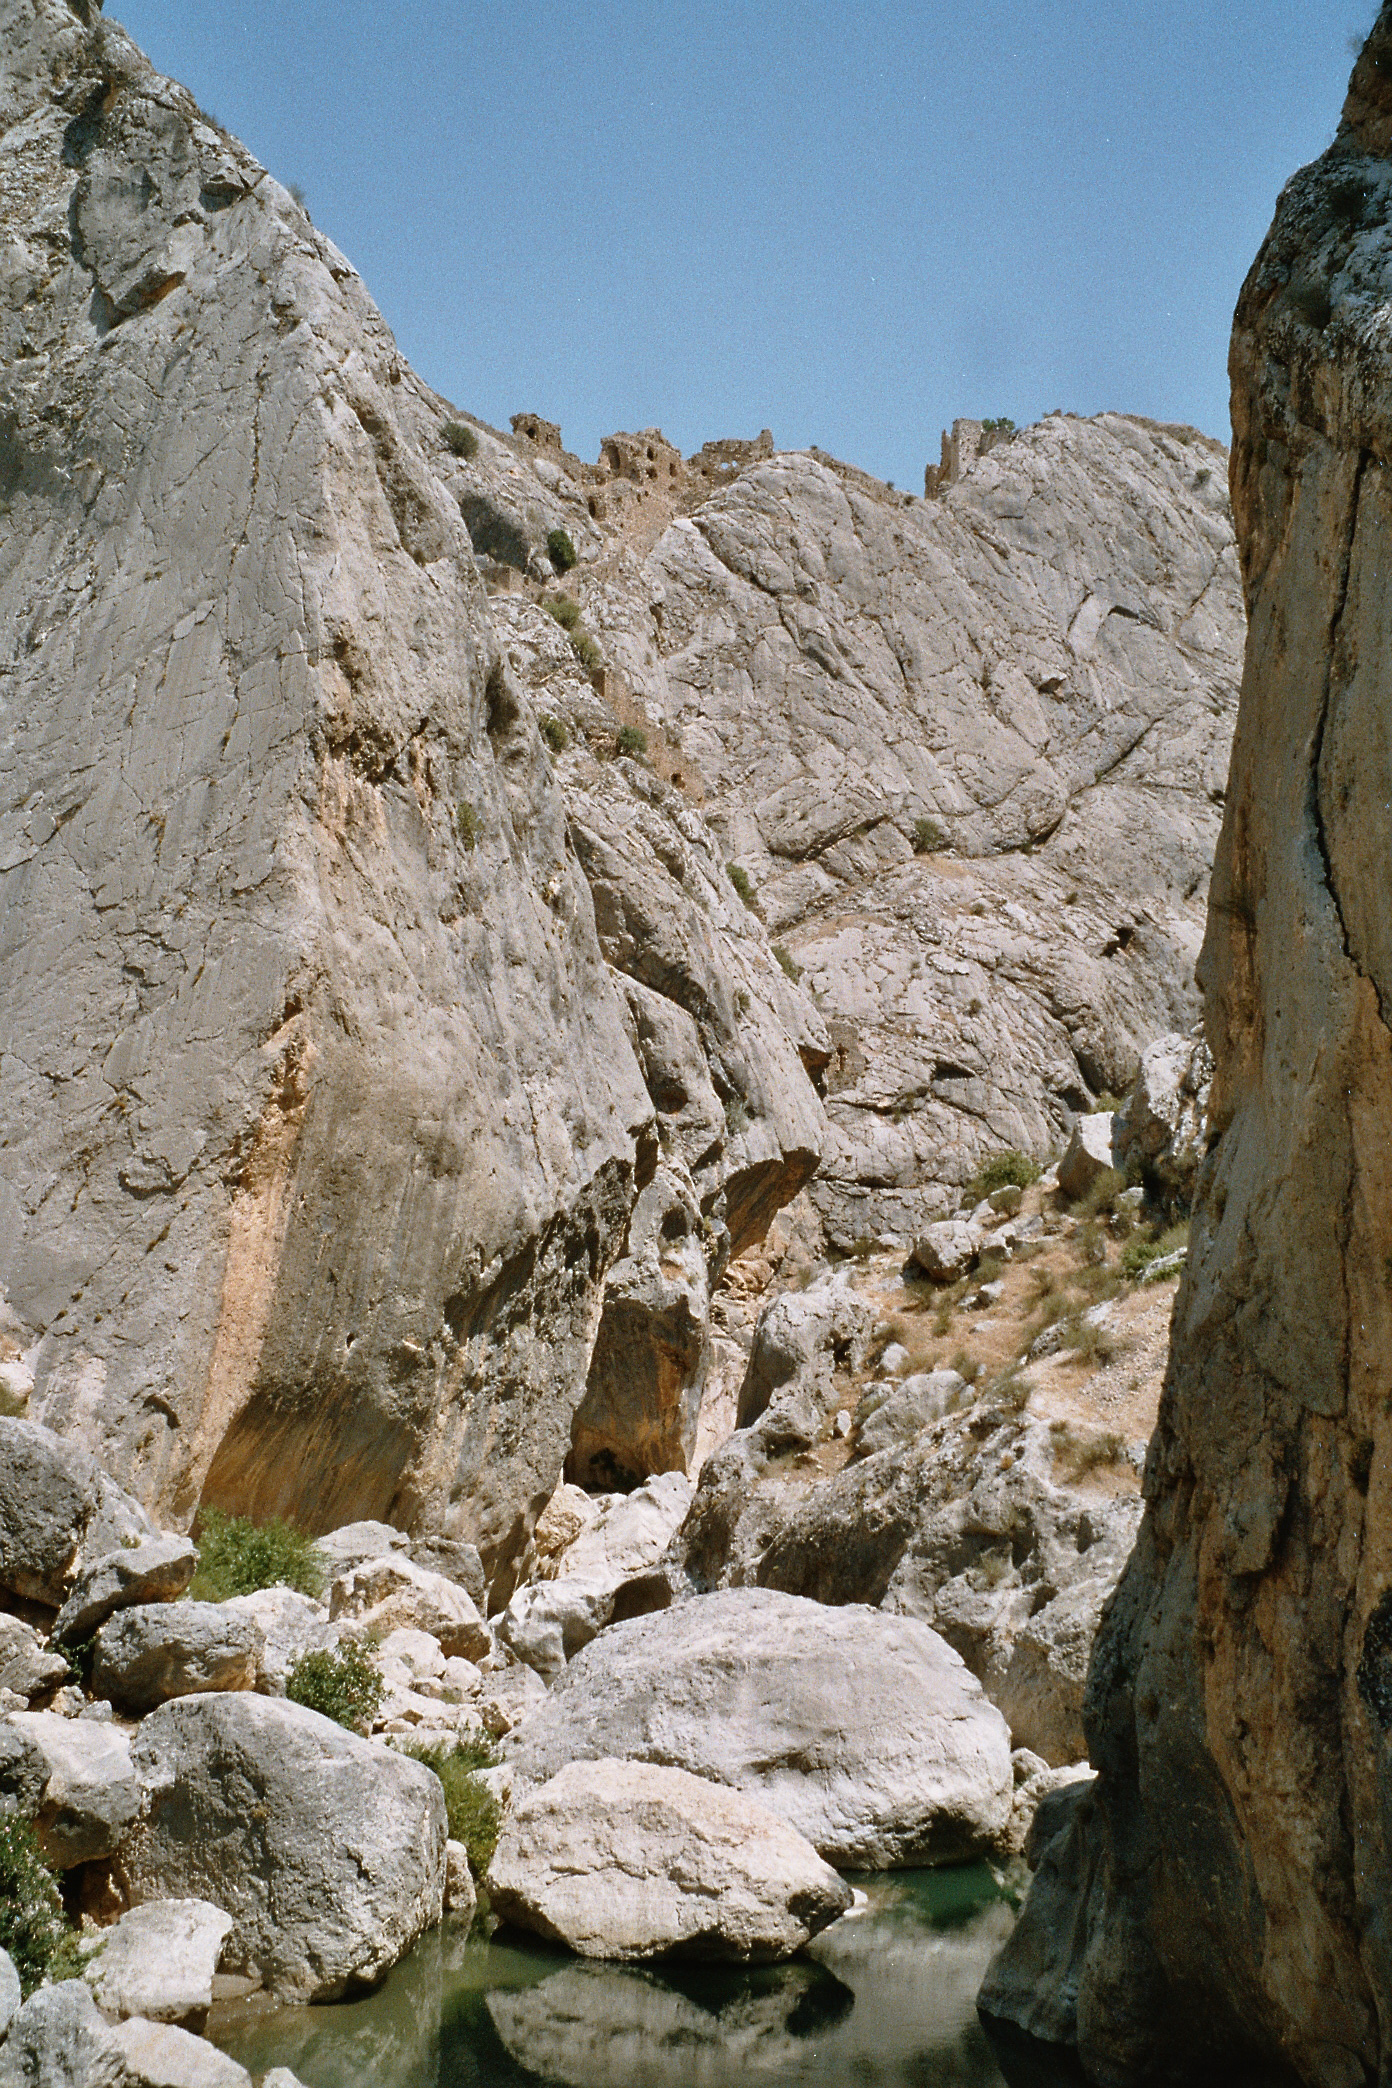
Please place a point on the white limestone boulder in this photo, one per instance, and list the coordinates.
(57, 1510)
(328, 1851)
(160, 1960)
(386, 1594)
(1089, 1154)
(948, 1249)
(621, 1859)
(157, 2055)
(161, 1650)
(157, 1570)
(74, 1778)
(290, 1625)
(863, 1731)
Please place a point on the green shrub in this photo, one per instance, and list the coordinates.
(929, 837)
(1137, 1255)
(341, 1683)
(460, 440)
(1102, 1195)
(473, 1812)
(1001, 1169)
(565, 610)
(556, 734)
(586, 651)
(33, 1928)
(1002, 425)
(1086, 1342)
(741, 882)
(466, 824)
(236, 1556)
(786, 963)
(632, 740)
(560, 550)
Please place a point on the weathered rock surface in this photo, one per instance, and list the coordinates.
(1090, 1152)
(328, 973)
(155, 1571)
(389, 1593)
(600, 1573)
(145, 1656)
(159, 1961)
(288, 1626)
(10, 1994)
(461, 1894)
(800, 1339)
(58, 1511)
(74, 1778)
(59, 2039)
(864, 1732)
(1161, 1131)
(957, 1518)
(26, 1666)
(1223, 1900)
(622, 1859)
(157, 2055)
(328, 1851)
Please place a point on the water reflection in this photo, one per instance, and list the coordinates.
(884, 1999)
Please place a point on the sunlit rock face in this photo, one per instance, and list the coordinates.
(1225, 1898)
(323, 1117)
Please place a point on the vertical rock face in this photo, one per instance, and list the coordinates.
(1225, 1896)
(323, 1119)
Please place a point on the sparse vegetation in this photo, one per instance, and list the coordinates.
(1138, 1254)
(565, 609)
(466, 824)
(1001, 425)
(236, 1556)
(786, 963)
(1001, 1169)
(632, 741)
(586, 650)
(341, 1683)
(736, 1115)
(33, 1929)
(1088, 1343)
(1100, 1200)
(560, 550)
(473, 1812)
(556, 734)
(928, 837)
(741, 881)
(1081, 1454)
(966, 1366)
(1011, 1389)
(460, 440)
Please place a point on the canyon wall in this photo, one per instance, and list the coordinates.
(1221, 1902)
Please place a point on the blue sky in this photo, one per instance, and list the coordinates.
(847, 224)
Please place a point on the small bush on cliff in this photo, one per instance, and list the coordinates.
(466, 824)
(741, 881)
(586, 650)
(1138, 1254)
(556, 734)
(929, 838)
(341, 1683)
(459, 440)
(787, 964)
(565, 610)
(999, 1171)
(560, 550)
(237, 1556)
(32, 1925)
(632, 741)
(473, 1812)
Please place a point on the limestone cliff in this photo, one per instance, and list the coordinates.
(1223, 1900)
(323, 1118)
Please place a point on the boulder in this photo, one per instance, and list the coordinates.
(145, 1656)
(328, 1851)
(160, 1960)
(800, 1339)
(1090, 1153)
(57, 1508)
(10, 1993)
(27, 1667)
(902, 1412)
(548, 1621)
(569, 1511)
(947, 1250)
(643, 1392)
(59, 2039)
(156, 2055)
(863, 1731)
(457, 1561)
(290, 1625)
(156, 1571)
(1162, 1129)
(385, 1594)
(74, 1778)
(623, 1859)
(461, 1894)
(347, 1547)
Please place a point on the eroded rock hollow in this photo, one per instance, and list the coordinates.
(1222, 1899)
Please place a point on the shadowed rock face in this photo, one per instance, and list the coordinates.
(323, 1118)
(1225, 1898)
